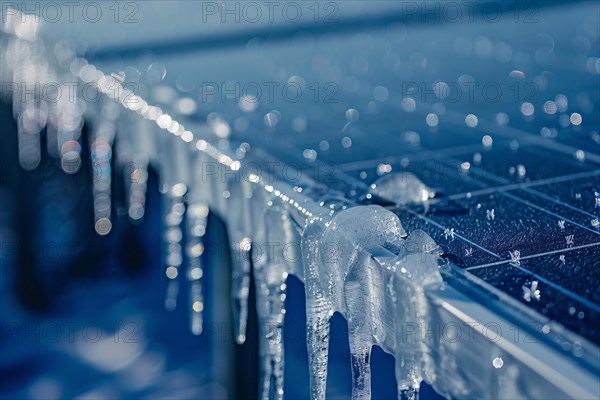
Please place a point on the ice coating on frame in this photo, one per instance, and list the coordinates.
(347, 269)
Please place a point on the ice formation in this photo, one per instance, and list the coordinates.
(347, 269)
(401, 188)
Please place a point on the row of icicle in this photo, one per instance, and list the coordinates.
(355, 260)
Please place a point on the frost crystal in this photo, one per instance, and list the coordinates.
(515, 257)
(570, 239)
(449, 233)
(531, 292)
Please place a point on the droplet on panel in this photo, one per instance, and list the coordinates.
(401, 188)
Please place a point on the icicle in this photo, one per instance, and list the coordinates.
(32, 104)
(175, 178)
(408, 394)
(272, 263)
(196, 221)
(137, 181)
(133, 163)
(319, 308)
(347, 237)
(270, 301)
(415, 271)
(239, 229)
(173, 237)
(361, 370)
(101, 155)
(198, 198)
(138, 146)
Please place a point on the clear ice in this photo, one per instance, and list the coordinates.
(349, 270)
(239, 227)
(273, 230)
(401, 188)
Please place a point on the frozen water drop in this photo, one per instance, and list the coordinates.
(401, 188)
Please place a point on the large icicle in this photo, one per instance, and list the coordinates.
(346, 272)
(337, 277)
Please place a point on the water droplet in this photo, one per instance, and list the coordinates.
(550, 107)
(409, 104)
(352, 115)
(471, 120)
(576, 119)
(156, 73)
(380, 93)
(502, 119)
(432, 120)
(272, 118)
(562, 102)
(527, 109)
(487, 141)
(498, 362)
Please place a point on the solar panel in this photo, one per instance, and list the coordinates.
(515, 166)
